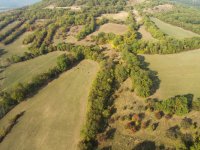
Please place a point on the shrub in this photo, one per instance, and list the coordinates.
(196, 105)
(186, 123)
(173, 132)
(178, 105)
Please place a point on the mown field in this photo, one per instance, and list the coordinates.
(179, 73)
(172, 30)
(54, 117)
(118, 16)
(24, 71)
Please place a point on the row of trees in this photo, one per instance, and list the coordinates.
(99, 110)
(6, 21)
(10, 31)
(142, 79)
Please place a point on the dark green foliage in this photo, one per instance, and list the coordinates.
(178, 105)
(63, 62)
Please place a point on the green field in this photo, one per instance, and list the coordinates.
(54, 117)
(179, 73)
(172, 30)
(24, 71)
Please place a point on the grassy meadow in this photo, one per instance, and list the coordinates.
(172, 30)
(24, 71)
(54, 117)
(179, 73)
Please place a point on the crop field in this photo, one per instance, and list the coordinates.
(172, 30)
(179, 73)
(118, 16)
(54, 117)
(24, 71)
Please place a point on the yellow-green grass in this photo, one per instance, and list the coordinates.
(54, 117)
(24, 71)
(8, 27)
(172, 30)
(179, 73)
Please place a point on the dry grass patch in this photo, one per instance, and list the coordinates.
(145, 34)
(122, 15)
(160, 8)
(54, 117)
(112, 28)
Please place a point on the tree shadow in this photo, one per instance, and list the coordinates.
(145, 145)
(153, 74)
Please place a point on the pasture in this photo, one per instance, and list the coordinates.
(172, 30)
(179, 73)
(24, 71)
(54, 117)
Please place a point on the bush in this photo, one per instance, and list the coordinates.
(186, 123)
(196, 105)
(178, 105)
(173, 132)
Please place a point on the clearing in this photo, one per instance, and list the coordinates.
(172, 30)
(24, 71)
(112, 28)
(54, 117)
(145, 34)
(122, 15)
(160, 8)
(179, 73)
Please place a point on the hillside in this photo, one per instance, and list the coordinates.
(100, 74)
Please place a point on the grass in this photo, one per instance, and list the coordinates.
(172, 30)
(117, 16)
(112, 28)
(24, 71)
(145, 34)
(54, 117)
(179, 73)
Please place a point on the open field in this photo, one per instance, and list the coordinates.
(112, 28)
(54, 117)
(24, 71)
(118, 16)
(179, 73)
(172, 30)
